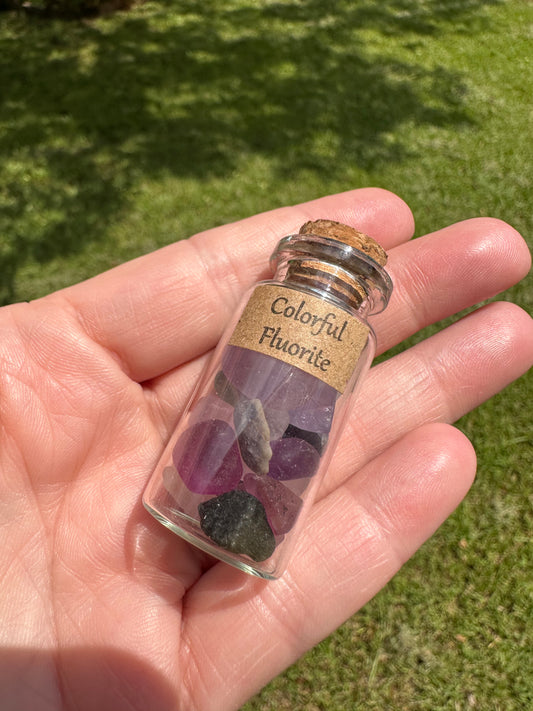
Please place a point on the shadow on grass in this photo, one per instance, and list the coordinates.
(89, 110)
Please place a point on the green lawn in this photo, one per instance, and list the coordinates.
(122, 134)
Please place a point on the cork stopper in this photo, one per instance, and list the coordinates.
(347, 235)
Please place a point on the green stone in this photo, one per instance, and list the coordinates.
(237, 522)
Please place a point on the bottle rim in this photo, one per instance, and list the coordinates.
(333, 251)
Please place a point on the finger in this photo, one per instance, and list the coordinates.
(165, 308)
(354, 542)
(438, 380)
(434, 277)
(442, 273)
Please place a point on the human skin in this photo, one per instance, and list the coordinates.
(103, 608)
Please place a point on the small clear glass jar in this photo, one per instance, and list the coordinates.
(246, 459)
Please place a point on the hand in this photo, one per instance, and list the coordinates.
(103, 608)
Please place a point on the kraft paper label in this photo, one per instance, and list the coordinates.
(302, 330)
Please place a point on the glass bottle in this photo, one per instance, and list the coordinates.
(246, 459)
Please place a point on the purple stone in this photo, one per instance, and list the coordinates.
(301, 392)
(211, 407)
(282, 388)
(292, 390)
(253, 374)
(207, 458)
(279, 385)
(293, 458)
(316, 413)
(282, 506)
(313, 419)
(318, 441)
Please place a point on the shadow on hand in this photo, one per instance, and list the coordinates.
(87, 679)
(94, 109)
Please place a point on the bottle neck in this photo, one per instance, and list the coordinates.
(325, 266)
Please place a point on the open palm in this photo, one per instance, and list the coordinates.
(103, 608)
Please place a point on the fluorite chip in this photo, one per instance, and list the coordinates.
(225, 390)
(318, 441)
(279, 385)
(293, 458)
(211, 407)
(252, 374)
(278, 421)
(282, 506)
(207, 458)
(313, 419)
(316, 413)
(237, 522)
(292, 389)
(253, 434)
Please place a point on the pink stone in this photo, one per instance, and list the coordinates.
(207, 458)
(282, 506)
(293, 458)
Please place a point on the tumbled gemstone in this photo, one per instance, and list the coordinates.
(253, 434)
(207, 458)
(237, 522)
(293, 458)
(318, 441)
(282, 506)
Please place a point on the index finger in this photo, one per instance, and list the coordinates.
(161, 310)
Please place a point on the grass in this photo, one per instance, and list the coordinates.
(122, 134)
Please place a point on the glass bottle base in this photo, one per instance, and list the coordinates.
(187, 528)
